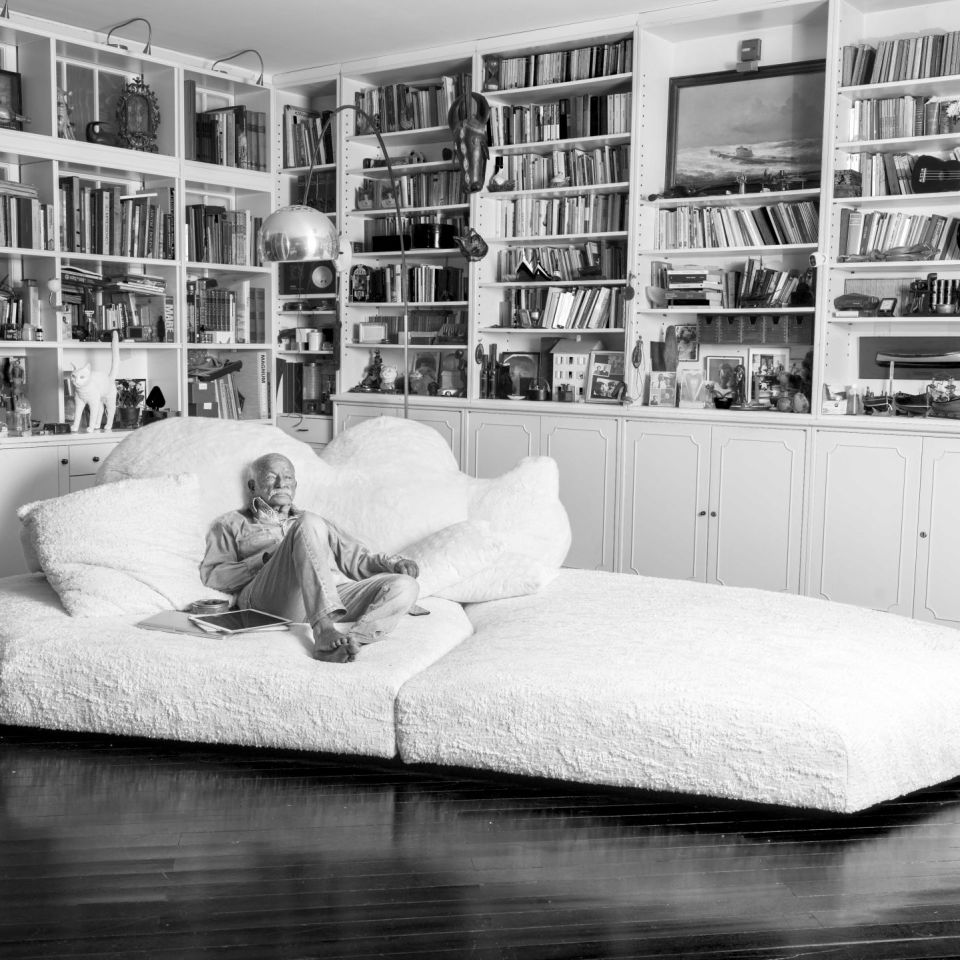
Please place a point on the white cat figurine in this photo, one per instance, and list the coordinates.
(96, 390)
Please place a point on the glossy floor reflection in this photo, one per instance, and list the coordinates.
(113, 848)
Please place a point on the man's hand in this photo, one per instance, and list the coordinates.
(409, 567)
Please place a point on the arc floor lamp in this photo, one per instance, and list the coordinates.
(300, 232)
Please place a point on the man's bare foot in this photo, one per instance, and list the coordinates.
(344, 653)
(332, 646)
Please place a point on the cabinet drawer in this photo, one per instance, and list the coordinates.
(309, 429)
(86, 458)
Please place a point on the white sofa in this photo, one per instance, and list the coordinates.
(521, 667)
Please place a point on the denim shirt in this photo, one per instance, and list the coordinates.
(238, 540)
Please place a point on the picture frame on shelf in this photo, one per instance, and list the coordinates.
(663, 388)
(606, 381)
(138, 117)
(690, 387)
(765, 362)
(688, 341)
(721, 369)
(11, 100)
(424, 372)
(731, 127)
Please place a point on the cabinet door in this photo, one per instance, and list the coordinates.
(864, 522)
(936, 596)
(448, 423)
(497, 442)
(586, 453)
(345, 415)
(665, 490)
(756, 507)
(29, 473)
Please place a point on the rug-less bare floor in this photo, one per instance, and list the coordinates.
(116, 848)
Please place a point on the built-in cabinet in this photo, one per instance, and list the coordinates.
(713, 503)
(884, 522)
(38, 471)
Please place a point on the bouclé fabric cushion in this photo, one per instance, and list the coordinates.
(454, 554)
(131, 547)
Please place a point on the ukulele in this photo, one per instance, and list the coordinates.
(933, 175)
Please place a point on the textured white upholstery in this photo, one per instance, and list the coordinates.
(259, 689)
(671, 685)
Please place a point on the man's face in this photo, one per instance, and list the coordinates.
(274, 481)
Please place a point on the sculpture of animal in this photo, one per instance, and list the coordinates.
(470, 139)
(96, 390)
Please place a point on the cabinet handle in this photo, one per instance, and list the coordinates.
(923, 534)
(713, 513)
(702, 513)
(64, 461)
(96, 459)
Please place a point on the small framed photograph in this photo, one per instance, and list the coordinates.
(605, 377)
(11, 100)
(688, 341)
(425, 372)
(722, 370)
(663, 388)
(690, 382)
(765, 365)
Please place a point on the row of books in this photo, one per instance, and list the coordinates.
(868, 233)
(559, 66)
(218, 235)
(574, 166)
(582, 308)
(593, 115)
(410, 106)
(375, 227)
(572, 262)
(782, 223)
(25, 222)
(211, 312)
(552, 216)
(885, 118)
(885, 174)
(425, 283)
(106, 221)
(433, 189)
(903, 58)
(752, 285)
(302, 145)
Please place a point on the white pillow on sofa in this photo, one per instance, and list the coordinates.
(453, 554)
(127, 548)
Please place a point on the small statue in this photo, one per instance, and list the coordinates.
(64, 123)
(470, 139)
(96, 390)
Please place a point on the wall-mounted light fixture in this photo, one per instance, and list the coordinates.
(147, 49)
(240, 53)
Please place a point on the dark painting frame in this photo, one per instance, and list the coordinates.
(728, 130)
(11, 98)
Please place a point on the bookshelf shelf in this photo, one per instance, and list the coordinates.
(569, 88)
(547, 146)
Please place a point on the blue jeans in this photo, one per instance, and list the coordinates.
(297, 582)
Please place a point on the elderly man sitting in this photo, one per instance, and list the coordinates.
(297, 565)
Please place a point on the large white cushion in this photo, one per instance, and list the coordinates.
(131, 548)
(260, 689)
(670, 685)
(392, 483)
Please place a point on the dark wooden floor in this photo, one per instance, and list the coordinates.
(115, 848)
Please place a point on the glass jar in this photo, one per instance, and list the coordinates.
(22, 414)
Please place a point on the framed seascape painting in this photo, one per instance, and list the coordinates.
(730, 131)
